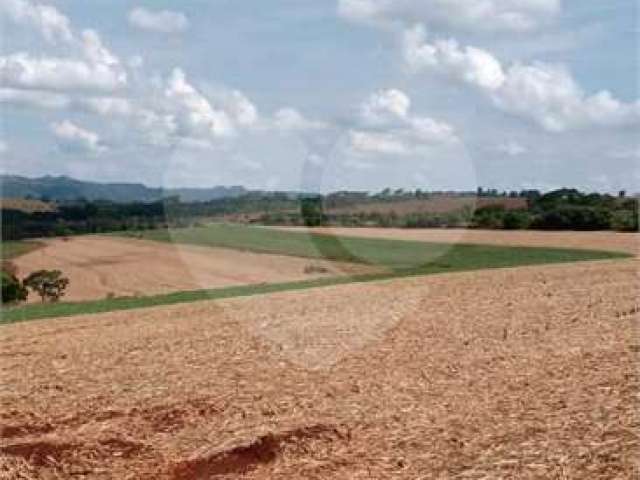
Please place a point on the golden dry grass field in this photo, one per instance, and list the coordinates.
(527, 372)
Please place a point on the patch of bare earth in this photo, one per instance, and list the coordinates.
(106, 266)
(613, 241)
(516, 373)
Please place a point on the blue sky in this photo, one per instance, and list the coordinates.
(335, 94)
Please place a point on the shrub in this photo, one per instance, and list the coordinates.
(489, 217)
(49, 284)
(624, 221)
(575, 218)
(13, 291)
(516, 220)
(312, 212)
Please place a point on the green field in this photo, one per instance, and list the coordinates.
(396, 258)
(10, 250)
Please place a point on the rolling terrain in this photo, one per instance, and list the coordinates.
(163, 267)
(525, 372)
(106, 266)
(603, 240)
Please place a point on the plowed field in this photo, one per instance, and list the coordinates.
(525, 372)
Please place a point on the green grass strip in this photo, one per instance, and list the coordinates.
(13, 249)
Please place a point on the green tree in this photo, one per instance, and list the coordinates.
(312, 212)
(625, 221)
(516, 220)
(49, 284)
(13, 291)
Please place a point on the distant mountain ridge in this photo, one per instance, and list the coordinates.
(65, 189)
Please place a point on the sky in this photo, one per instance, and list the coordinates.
(323, 95)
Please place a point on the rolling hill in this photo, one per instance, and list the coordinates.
(64, 188)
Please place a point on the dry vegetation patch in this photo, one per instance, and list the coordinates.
(26, 205)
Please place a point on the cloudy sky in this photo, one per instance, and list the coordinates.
(323, 94)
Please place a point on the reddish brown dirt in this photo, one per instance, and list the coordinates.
(527, 373)
(103, 266)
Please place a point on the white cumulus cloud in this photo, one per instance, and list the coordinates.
(471, 15)
(164, 21)
(385, 103)
(98, 69)
(545, 93)
(34, 99)
(386, 125)
(194, 114)
(470, 64)
(52, 24)
(73, 138)
(22, 70)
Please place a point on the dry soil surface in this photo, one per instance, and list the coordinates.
(524, 373)
(622, 242)
(101, 266)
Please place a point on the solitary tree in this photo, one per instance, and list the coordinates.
(312, 211)
(49, 284)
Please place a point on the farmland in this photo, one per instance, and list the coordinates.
(101, 267)
(222, 261)
(374, 369)
(389, 252)
(504, 373)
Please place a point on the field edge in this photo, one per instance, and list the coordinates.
(30, 312)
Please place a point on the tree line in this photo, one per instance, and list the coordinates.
(564, 209)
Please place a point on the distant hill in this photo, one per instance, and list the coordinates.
(64, 189)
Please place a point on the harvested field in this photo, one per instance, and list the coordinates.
(515, 373)
(608, 241)
(102, 266)
(26, 205)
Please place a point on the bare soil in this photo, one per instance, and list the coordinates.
(527, 373)
(109, 266)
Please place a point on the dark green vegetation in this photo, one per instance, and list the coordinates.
(395, 257)
(9, 250)
(50, 285)
(565, 209)
(13, 290)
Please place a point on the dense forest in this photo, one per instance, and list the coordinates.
(564, 209)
